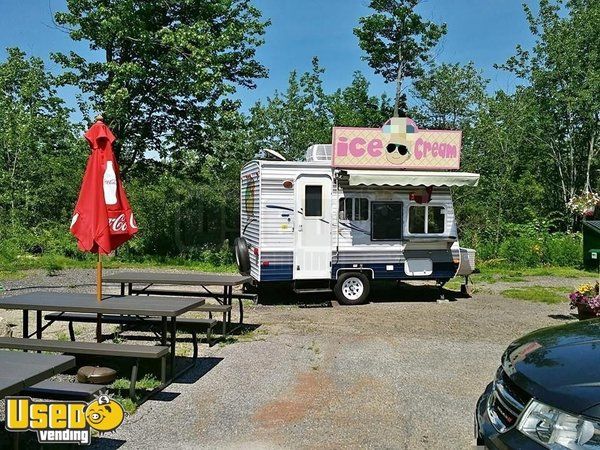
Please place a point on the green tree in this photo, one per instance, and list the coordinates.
(448, 96)
(40, 158)
(353, 106)
(563, 72)
(501, 147)
(304, 113)
(397, 42)
(167, 69)
(293, 120)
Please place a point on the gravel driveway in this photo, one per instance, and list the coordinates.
(389, 374)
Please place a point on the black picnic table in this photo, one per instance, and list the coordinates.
(203, 280)
(164, 307)
(20, 370)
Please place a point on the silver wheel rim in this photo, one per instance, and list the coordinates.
(353, 288)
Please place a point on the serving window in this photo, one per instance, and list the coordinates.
(426, 219)
(386, 221)
(351, 208)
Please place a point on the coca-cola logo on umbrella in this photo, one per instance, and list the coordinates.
(118, 223)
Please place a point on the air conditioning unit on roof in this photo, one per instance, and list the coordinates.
(319, 153)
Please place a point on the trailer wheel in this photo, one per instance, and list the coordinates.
(242, 256)
(352, 288)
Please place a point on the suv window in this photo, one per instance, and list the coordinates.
(426, 219)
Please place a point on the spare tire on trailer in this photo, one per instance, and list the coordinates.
(242, 256)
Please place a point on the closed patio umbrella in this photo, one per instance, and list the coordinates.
(102, 220)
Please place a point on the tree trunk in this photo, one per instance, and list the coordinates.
(591, 154)
(399, 79)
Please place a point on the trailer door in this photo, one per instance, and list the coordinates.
(312, 256)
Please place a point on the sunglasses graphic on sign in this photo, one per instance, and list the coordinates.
(398, 132)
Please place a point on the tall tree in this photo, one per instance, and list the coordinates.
(353, 106)
(167, 68)
(563, 72)
(292, 120)
(304, 113)
(397, 41)
(40, 160)
(503, 146)
(448, 96)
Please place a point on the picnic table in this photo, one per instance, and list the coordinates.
(165, 308)
(20, 370)
(202, 280)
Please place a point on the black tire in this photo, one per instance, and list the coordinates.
(242, 256)
(352, 288)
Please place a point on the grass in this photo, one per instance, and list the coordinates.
(16, 268)
(245, 336)
(128, 405)
(120, 385)
(147, 383)
(490, 272)
(542, 294)
(62, 336)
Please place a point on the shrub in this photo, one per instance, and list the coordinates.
(564, 250)
(534, 249)
(521, 251)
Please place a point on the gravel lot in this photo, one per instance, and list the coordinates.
(402, 373)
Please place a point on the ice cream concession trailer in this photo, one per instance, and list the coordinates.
(374, 205)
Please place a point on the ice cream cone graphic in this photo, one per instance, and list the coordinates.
(399, 136)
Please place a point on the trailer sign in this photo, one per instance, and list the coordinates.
(399, 144)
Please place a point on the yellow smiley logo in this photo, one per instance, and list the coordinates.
(104, 414)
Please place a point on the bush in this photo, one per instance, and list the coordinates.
(521, 251)
(564, 250)
(534, 249)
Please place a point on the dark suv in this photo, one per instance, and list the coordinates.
(546, 393)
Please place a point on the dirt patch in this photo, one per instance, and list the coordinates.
(306, 396)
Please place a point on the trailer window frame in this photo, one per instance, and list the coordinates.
(315, 210)
(401, 228)
(354, 210)
(426, 231)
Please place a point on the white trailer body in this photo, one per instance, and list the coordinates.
(309, 221)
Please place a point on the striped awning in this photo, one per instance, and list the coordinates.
(410, 178)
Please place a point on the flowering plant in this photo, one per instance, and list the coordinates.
(586, 297)
(584, 204)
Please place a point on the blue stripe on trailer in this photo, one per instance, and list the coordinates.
(441, 270)
(276, 272)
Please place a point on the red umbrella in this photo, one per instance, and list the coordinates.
(103, 219)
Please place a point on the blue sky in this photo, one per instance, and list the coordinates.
(484, 31)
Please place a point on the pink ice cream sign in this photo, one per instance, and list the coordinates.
(398, 144)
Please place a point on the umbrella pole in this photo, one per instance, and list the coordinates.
(99, 278)
(99, 296)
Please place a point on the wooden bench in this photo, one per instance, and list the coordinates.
(211, 308)
(219, 297)
(136, 352)
(63, 391)
(134, 322)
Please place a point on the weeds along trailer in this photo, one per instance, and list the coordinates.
(374, 205)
